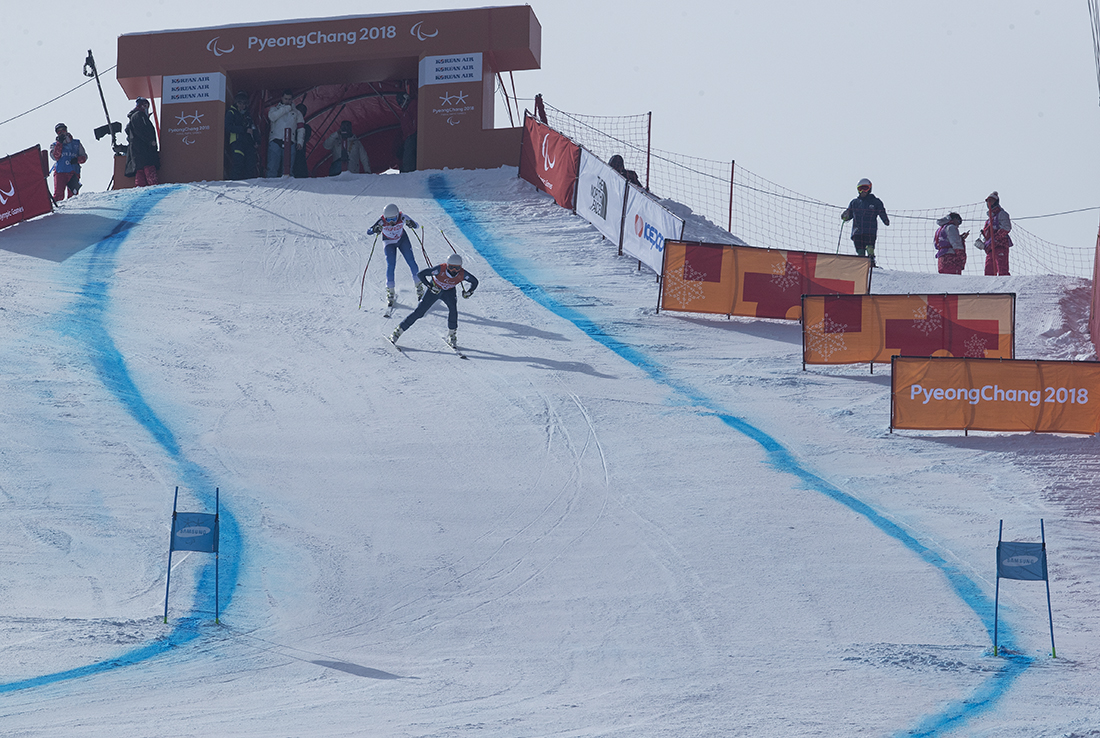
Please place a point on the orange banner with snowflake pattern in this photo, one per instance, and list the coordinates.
(948, 393)
(865, 329)
(761, 283)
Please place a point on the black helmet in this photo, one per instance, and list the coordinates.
(59, 126)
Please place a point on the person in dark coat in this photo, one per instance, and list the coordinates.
(995, 240)
(301, 168)
(616, 162)
(865, 212)
(241, 135)
(142, 156)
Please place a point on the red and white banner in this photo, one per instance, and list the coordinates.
(23, 190)
(549, 161)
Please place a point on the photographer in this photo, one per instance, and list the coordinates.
(142, 157)
(348, 155)
(69, 154)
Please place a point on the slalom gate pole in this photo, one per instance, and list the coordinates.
(1046, 576)
(363, 282)
(997, 589)
(217, 553)
(171, 540)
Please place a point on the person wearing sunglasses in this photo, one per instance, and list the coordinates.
(864, 212)
(442, 281)
(394, 238)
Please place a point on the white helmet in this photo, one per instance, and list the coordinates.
(864, 183)
(391, 212)
(454, 260)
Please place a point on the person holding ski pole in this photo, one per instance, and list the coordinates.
(864, 212)
(442, 281)
(394, 238)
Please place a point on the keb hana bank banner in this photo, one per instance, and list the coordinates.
(549, 161)
(947, 393)
(864, 329)
(23, 190)
(763, 283)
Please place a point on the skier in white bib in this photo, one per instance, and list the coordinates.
(392, 227)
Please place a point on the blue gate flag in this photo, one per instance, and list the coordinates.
(1017, 560)
(195, 532)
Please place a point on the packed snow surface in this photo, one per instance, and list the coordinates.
(609, 521)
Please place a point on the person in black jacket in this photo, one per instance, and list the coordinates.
(300, 168)
(865, 212)
(241, 135)
(142, 156)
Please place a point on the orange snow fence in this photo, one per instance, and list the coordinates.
(855, 329)
(761, 283)
(995, 395)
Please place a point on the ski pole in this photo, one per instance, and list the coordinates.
(840, 237)
(422, 249)
(363, 283)
(448, 240)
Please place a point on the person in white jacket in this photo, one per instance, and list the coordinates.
(348, 154)
(284, 117)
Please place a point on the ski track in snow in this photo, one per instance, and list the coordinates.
(465, 215)
(86, 324)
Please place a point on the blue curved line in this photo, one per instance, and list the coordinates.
(86, 323)
(466, 217)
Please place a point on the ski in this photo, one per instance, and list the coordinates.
(456, 349)
(389, 311)
(397, 348)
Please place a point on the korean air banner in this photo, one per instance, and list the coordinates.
(945, 393)
(23, 190)
(762, 283)
(863, 329)
(646, 228)
(549, 161)
(601, 192)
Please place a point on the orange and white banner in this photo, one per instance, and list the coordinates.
(994, 395)
(863, 329)
(755, 282)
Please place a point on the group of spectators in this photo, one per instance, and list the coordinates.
(287, 127)
(866, 210)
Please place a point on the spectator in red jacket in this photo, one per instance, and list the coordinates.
(69, 154)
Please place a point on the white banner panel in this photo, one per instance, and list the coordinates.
(450, 69)
(192, 88)
(600, 193)
(646, 228)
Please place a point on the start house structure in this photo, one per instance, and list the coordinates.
(417, 86)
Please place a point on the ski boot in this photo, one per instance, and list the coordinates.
(396, 334)
(391, 296)
(419, 290)
(452, 338)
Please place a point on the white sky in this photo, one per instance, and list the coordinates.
(937, 102)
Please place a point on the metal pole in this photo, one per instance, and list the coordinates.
(89, 63)
(997, 589)
(1046, 576)
(733, 166)
(217, 555)
(171, 541)
(648, 144)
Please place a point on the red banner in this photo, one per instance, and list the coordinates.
(23, 190)
(550, 161)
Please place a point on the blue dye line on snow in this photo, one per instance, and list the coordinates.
(468, 220)
(86, 323)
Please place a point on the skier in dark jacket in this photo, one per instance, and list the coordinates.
(864, 212)
(142, 157)
(441, 281)
(241, 135)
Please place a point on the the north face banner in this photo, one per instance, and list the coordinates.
(549, 161)
(754, 282)
(601, 196)
(863, 329)
(23, 190)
